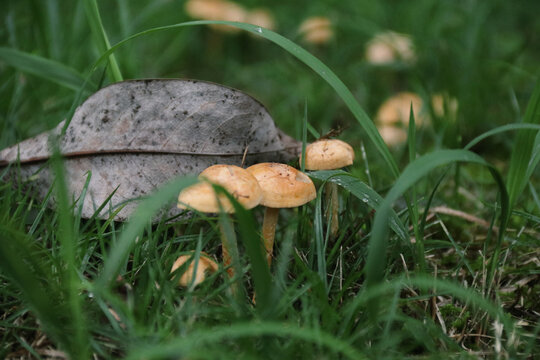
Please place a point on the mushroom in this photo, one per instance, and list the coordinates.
(261, 17)
(387, 47)
(393, 116)
(396, 110)
(202, 197)
(282, 187)
(329, 154)
(205, 264)
(316, 30)
(216, 10)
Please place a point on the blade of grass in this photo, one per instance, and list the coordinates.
(200, 339)
(68, 240)
(522, 154)
(535, 157)
(304, 139)
(313, 131)
(500, 129)
(100, 37)
(412, 205)
(143, 215)
(20, 261)
(364, 193)
(255, 250)
(44, 68)
(376, 260)
(427, 284)
(320, 244)
(303, 55)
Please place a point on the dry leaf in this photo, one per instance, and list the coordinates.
(139, 134)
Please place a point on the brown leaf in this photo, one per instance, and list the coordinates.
(139, 134)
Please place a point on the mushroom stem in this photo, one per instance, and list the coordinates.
(226, 251)
(269, 231)
(332, 215)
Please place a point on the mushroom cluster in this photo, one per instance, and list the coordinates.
(272, 185)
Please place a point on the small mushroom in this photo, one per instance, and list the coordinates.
(329, 154)
(282, 187)
(202, 197)
(205, 265)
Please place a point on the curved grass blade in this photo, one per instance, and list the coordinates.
(140, 219)
(362, 192)
(100, 36)
(436, 286)
(376, 260)
(21, 261)
(535, 157)
(520, 162)
(198, 340)
(500, 129)
(44, 68)
(303, 55)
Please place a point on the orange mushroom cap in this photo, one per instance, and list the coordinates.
(328, 154)
(204, 265)
(237, 181)
(282, 185)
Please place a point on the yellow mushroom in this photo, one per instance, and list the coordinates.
(205, 265)
(202, 197)
(329, 154)
(282, 187)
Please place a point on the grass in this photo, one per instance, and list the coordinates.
(400, 280)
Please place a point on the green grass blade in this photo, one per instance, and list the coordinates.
(535, 157)
(500, 129)
(412, 205)
(201, 339)
(427, 284)
(304, 139)
(254, 247)
(376, 261)
(362, 192)
(68, 250)
(44, 68)
(303, 55)
(522, 154)
(100, 36)
(139, 220)
(21, 263)
(320, 243)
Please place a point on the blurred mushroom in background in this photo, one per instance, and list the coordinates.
(392, 118)
(261, 17)
(222, 10)
(388, 47)
(316, 30)
(444, 106)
